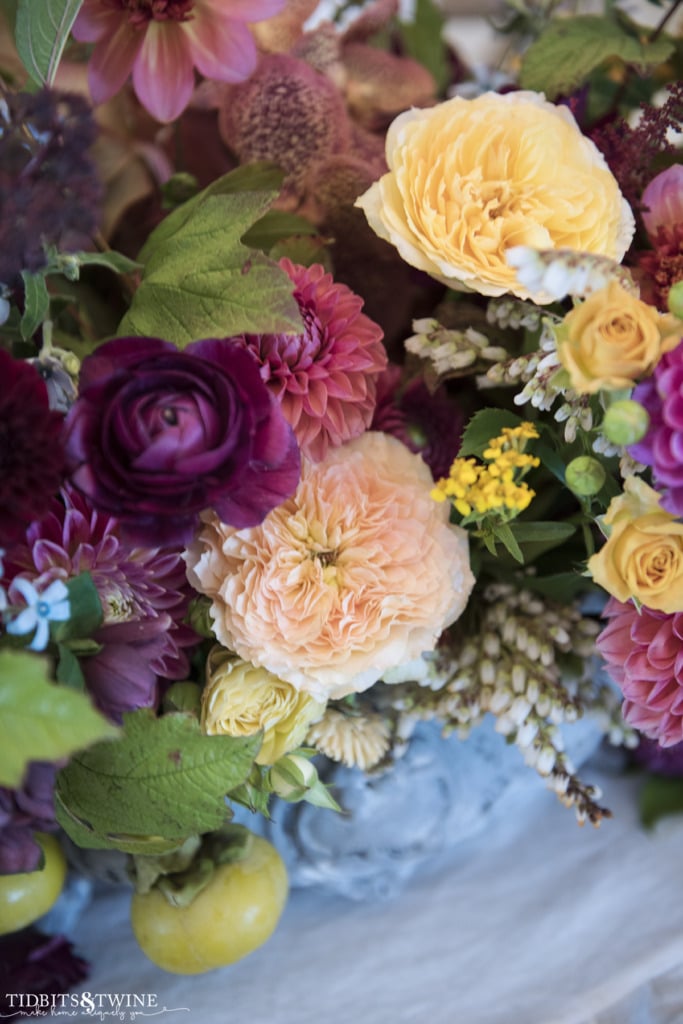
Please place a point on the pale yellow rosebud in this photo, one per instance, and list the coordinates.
(241, 700)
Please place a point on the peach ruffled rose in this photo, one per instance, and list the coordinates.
(358, 572)
(643, 554)
(469, 179)
(612, 339)
(242, 700)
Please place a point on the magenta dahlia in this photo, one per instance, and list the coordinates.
(326, 378)
(144, 596)
(31, 453)
(662, 447)
(644, 655)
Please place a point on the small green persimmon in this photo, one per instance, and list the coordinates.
(27, 896)
(228, 919)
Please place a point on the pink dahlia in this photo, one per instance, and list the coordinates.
(644, 655)
(326, 378)
(144, 596)
(162, 41)
(662, 447)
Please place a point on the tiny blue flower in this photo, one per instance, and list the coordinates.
(42, 609)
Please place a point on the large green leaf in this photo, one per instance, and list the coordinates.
(161, 782)
(660, 797)
(570, 48)
(40, 721)
(200, 281)
(42, 30)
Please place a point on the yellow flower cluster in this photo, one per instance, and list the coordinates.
(496, 485)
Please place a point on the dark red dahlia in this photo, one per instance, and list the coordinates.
(31, 453)
(429, 424)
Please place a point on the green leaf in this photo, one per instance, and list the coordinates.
(659, 797)
(42, 30)
(69, 669)
(38, 720)
(162, 781)
(485, 425)
(274, 226)
(504, 534)
(562, 586)
(36, 303)
(199, 280)
(85, 610)
(423, 40)
(536, 538)
(570, 48)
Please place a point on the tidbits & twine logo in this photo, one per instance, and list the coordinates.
(122, 1006)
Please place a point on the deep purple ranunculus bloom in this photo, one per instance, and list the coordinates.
(660, 760)
(158, 435)
(662, 447)
(24, 811)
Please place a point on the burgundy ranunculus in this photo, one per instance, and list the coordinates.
(158, 435)
(662, 447)
(31, 455)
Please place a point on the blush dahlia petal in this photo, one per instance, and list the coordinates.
(643, 651)
(663, 200)
(221, 49)
(163, 77)
(112, 61)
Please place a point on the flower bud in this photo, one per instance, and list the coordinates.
(675, 299)
(585, 476)
(625, 422)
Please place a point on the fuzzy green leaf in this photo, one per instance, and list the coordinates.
(41, 721)
(200, 281)
(42, 31)
(485, 425)
(163, 781)
(571, 48)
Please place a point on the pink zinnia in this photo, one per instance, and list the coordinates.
(644, 655)
(162, 41)
(326, 378)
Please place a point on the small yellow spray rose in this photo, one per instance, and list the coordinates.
(612, 339)
(643, 554)
(241, 700)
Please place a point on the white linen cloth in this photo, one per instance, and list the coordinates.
(536, 921)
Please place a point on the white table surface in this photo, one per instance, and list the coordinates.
(540, 922)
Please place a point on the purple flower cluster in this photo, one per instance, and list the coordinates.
(662, 447)
(22, 812)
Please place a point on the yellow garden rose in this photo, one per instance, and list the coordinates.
(643, 554)
(469, 179)
(241, 700)
(612, 339)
